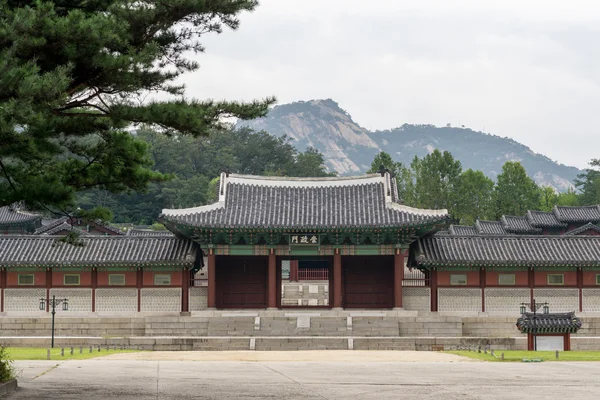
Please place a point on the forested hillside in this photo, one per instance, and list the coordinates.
(194, 165)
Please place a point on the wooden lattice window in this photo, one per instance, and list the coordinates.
(116, 279)
(71, 279)
(506, 279)
(458, 279)
(597, 279)
(556, 279)
(26, 279)
(162, 279)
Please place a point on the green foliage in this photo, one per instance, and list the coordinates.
(436, 179)
(515, 192)
(403, 175)
(548, 198)
(195, 165)
(71, 84)
(384, 160)
(474, 197)
(589, 184)
(7, 369)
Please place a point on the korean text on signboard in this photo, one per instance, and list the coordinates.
(305, 238)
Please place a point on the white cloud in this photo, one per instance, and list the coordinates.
(529, 70)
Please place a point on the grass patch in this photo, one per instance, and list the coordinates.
(518, 355)
(35, 353)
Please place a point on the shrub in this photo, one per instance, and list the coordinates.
(7, 369)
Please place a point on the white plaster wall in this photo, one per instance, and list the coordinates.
(459, 299)
(559, 299)
(198, 298)
(26, 300)
(416, 298)
(79, 299)
(591, 300)
(505, 300)
(116, 299)
(161, 299)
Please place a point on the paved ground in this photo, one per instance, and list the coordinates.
(338, 377)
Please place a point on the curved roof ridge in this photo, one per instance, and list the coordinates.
(417, 211)
(278, 181)
(193, 210)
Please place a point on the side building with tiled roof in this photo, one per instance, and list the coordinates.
(105, 274)
(496, 273)
(560, 220)
(14, 220)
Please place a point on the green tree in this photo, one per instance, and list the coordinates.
(436, 179)
(310, 163)
(474, 197)
(403, 175)
(568, 198)
(384, 160)
(72, 78)
(515, 191)
(588, 184)
(195, 164)
(548, 198)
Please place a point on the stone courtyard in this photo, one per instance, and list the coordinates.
(303, 375)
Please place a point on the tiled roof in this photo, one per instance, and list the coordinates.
(584, 228)
(462, 230)
(518, 225)
(542, 219)
(51, 225)
(489, 228)
(549, 323)
(11, 215)
(43, 250)
(109, 227)
(63, 228)
(518, 250)
(272, 202)
(148, 232)
(577, 214)
(442, 233)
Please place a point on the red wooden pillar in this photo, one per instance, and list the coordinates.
(398, 277)
(212, 280)
(94, 286)
(139, 280)
(3, 284)
(48, 286)
(293, 270)
(433, 283)
(482, 286)
(531, 281)
(580, 288)
(337, 279)
(272, 280)
(567, 342)
(185, 290)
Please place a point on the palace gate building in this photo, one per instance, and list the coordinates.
(351, 232)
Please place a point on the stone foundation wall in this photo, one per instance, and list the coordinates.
(314, 293)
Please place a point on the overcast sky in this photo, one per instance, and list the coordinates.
(526, 69)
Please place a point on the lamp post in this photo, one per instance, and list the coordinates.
(53, 303)
(533, 306)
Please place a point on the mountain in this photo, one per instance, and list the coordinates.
(349, 148)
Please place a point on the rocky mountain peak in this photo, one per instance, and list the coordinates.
(349, 148)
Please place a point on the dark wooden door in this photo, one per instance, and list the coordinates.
(241, 282)
(368, 281)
